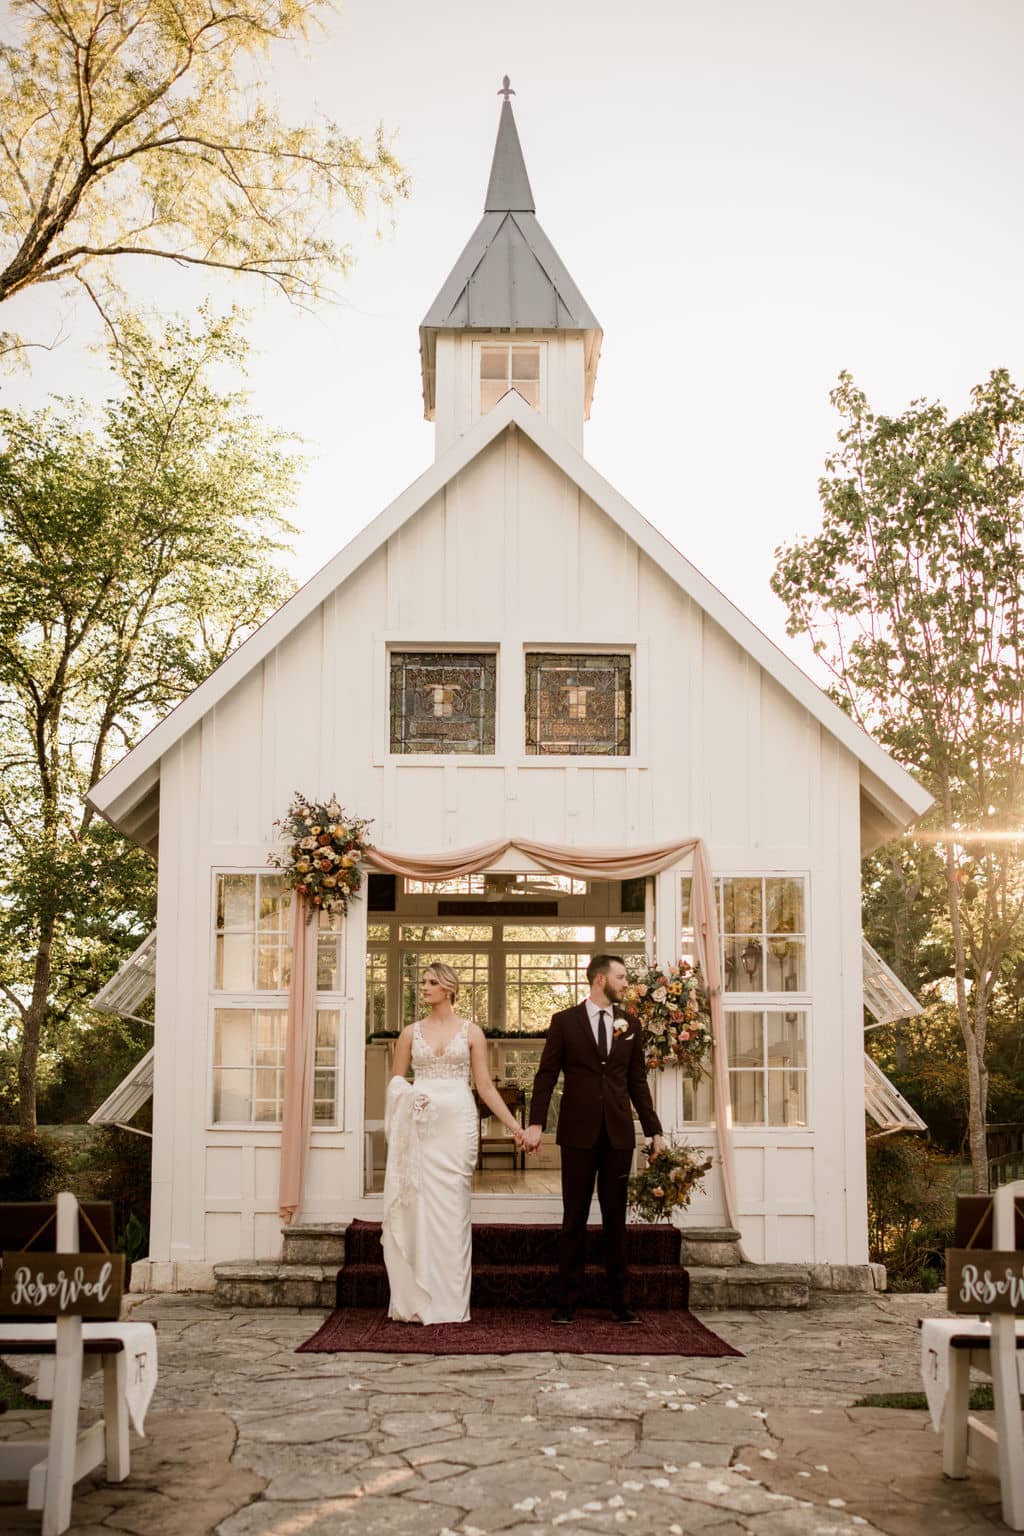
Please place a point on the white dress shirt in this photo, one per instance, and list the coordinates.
(593, 1014)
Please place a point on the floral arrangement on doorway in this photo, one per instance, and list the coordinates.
(672, 1005)
(325, 847)
(667, 1183)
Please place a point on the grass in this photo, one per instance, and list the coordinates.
(981, 1398)
(12, 1393)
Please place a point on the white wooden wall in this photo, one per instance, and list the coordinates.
(509, 555)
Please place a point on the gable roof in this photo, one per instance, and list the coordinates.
(509, 277)
(127, 795)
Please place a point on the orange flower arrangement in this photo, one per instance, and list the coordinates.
(672, 1005)
(325, 849)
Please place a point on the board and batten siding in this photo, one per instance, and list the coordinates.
(511, 555)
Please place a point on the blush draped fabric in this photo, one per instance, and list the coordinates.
(557, 859)
(300, 1045)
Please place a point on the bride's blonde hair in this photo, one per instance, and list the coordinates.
(446, 978)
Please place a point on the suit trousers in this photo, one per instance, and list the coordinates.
(580, 1167)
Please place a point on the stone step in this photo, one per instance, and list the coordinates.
(322, 1243)
(749, 1287)
(243, 1283)
(709, 1247)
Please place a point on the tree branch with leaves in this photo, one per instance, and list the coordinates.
(912, 596)
(144, 129)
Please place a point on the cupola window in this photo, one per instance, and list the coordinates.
(511, 365)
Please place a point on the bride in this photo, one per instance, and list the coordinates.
(431, 1128)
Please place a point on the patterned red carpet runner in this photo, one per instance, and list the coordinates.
(501, 1331)
(515, 1269)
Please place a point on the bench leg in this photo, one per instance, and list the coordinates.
(60, 1462)
(115, 1416)
(1008, 1422)
(954, 1421)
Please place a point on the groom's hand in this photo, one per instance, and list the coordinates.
(532, 1137)
(657, 1146)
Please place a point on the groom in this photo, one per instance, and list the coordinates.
(598, 1048)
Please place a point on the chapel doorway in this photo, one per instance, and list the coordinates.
(520, 944)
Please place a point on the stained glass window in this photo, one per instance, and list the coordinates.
(578, 705)
(442, 702)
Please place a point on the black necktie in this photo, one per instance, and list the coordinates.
(602, 1035)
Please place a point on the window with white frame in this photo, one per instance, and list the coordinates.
(509, 365)
(763, 955)
(251, 974)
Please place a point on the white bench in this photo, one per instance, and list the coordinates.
(993, 1346)
(69, 1352)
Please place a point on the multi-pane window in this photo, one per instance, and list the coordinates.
(578, 704)
(500, 885)
(506, 366)
(764, 943)
(248, 1064)
(252, 972)
(767, 1066)
(761, 929)
(763, 952)
(253, 942)
(472, 967)
(376, 991)
(443, 702)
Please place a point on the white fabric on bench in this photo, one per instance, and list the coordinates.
(137, 1339)
(937, 1335)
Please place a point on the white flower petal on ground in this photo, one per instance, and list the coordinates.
(731, 1402)
(660, 1482)
(822, 1466)
(577, 1429)
(740, 1466)
(803, 1474)
(633, 1486)
(668, 1466)
(527, 1418)
(837, 1503)
(675, 1530)
(527, 1504)
(768, 1455)
(686, 1407)
(616, 1501)
(717, 1487)
(593, 1504)
(815, 1410)
(695, 1466)
(675, 1407)
(549, 1450)
(558, 1493)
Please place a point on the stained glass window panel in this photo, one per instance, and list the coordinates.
(442, 702)
(578, 705)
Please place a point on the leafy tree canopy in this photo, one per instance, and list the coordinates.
(140, 545)
(145, 128)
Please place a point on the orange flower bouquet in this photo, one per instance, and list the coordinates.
(672, 1005)
(667, 1183)
(325, 847)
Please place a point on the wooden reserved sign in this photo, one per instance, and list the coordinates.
(62, 1285)
(985, 1280)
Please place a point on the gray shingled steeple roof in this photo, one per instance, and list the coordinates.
(509, 277)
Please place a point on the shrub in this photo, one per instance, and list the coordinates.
(911, 1210)
(32, 1167)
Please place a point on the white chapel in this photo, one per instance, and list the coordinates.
(521, 712)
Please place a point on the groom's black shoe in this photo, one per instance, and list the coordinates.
(564, 1315)
(625, 1315)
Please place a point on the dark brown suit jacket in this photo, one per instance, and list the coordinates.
(593, 1091)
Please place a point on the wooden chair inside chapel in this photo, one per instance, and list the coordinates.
(60, 1297)
(985, 1281)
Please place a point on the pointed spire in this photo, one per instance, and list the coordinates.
(508, 190)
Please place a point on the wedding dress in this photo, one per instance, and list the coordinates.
(431, 1128)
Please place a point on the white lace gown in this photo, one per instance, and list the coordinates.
(431, 1127)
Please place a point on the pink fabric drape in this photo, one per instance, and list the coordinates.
(556, 859)
(300, 1045)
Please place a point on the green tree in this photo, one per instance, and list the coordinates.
(145, 128)
(912, 595)
(138, 550)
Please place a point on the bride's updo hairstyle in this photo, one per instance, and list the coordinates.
(446, 978)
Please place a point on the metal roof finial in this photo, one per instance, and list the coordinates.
(506, 89)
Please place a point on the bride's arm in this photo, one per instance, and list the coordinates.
(482, 1081)
(402, 1059)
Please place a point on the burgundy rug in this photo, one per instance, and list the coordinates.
(504, 1331)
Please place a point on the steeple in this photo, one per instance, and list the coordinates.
(509, 279)
(509, 186)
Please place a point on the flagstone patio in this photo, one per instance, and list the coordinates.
(247, 1438)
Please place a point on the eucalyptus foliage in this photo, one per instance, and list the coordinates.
(912, 595)
(139, 547)
(146, 128)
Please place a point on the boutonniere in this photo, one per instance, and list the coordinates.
(620, 1027)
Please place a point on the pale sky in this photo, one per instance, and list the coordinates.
(751, 197)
